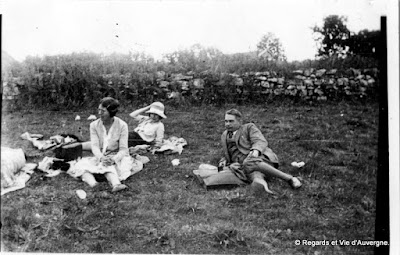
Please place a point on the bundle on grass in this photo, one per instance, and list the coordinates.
(15, 172)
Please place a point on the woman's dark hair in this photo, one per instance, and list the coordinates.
(111, 105)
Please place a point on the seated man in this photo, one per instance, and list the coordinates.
(247, 153)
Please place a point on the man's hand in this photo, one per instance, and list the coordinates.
(253, 154)
(221, 164)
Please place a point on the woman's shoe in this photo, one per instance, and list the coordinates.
(119, 187)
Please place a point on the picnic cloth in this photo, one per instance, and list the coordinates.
(15, 172)
(171, 145)
(56, 140)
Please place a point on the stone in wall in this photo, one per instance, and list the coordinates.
(238, 81)
(331, 72)
(371, 81)
(160, 75)
(354, 72)
(261, 78)
(180, 77)
(308, 82)
(164, 84)
(298, 72)
(274, 80)
(265, 84)
(320, 72)
(299, 77)
(308, 71)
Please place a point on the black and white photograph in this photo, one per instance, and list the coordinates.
(200, 126)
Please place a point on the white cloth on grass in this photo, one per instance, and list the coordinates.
(15, 172)
(171, 145)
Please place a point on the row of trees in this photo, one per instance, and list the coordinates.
(337, 46)
(333, 38)
(336, 39)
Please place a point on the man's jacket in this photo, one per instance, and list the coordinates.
(248, 137)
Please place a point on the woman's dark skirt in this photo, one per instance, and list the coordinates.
(135, 139)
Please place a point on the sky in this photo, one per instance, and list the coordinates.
(50, 27)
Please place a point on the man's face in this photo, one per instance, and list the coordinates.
(232, 123)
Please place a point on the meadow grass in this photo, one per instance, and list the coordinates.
(165, 210)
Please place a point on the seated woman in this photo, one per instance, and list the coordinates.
(109, 144)
(150, 129)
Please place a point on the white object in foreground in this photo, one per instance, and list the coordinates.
(78, 117)
(81, 194)
(298, 164)
(175, 162)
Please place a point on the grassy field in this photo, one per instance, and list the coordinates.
(165, 210)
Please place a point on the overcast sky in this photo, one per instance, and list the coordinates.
(44, 27)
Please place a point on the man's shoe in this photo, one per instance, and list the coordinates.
(295, 183)
(119, 187)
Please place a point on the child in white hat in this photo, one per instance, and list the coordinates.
(150, 129)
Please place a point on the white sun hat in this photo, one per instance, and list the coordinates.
(157, 108)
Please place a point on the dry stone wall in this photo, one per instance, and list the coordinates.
(308, 84)
(196, 88)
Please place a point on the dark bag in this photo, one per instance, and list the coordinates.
(69, 152)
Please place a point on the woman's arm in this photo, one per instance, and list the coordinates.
(95, 142)
(158, 140)
(123, 143)
(138, 112)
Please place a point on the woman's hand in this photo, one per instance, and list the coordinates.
(107, 161)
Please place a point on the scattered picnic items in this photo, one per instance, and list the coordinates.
(81, 194)
(298, 164)
(175, 162)
(171, 145)
(67, 158)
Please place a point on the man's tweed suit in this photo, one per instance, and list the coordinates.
(248, 137)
